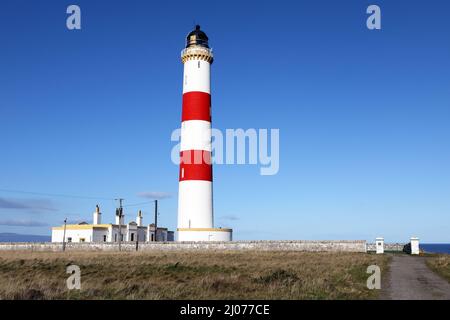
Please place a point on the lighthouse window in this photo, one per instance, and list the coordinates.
(199, 64)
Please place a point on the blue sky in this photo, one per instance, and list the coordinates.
(363, 115)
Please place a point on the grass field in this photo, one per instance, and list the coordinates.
(440, 264)
(189, 275)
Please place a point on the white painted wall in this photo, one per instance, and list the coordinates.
(115, 231)
(131, 232)
(142, 232)
(162, 235)
(99, 234)
(75, 235)
(57, 235)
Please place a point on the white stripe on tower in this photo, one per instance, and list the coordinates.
(195, 202)
(195, 135)
(197, 76)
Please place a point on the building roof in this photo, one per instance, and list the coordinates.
(99, 226)
(83, 226)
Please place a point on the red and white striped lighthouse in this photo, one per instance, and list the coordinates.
(195, 200)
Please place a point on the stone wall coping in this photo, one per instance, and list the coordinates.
(189, 242)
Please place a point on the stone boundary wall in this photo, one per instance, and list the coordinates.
(395, 247)
(309, 246)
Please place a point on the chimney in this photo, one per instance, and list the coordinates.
(139, 218)
(97, 215)
(122, 218)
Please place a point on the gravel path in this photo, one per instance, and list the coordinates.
(409, 278)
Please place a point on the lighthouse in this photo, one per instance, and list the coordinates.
(195, 193)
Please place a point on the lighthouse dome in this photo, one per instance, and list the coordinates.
(197, 38)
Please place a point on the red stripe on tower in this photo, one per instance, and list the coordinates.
(196, 106)
(195, 165)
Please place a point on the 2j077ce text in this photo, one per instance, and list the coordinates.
(230, 310)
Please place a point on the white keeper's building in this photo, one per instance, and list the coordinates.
(98, 232)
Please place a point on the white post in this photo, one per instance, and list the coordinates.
(379, 243)
(415, 245)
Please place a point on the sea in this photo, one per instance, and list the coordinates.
(435, 247)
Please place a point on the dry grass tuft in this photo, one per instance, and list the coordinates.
(440, 264)
(188, 275)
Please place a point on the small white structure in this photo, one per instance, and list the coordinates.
(98, 232)
(415, 249)
(379, 243)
